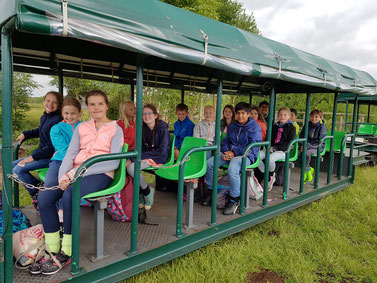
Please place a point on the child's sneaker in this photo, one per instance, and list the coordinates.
(231, 207)
(55, 264)
(148, 199)
(35, 268)
(141, 200)
(271, 182)
(310, 175)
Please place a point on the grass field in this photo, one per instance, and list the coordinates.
(331, 240)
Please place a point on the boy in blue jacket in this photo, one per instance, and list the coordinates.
(316, 131)
(239, 135)
(183, 127)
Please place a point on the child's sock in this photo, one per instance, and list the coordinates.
(67, 244)
(52, 241)
(145, 191)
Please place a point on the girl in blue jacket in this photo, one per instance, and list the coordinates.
(154, 151)
(40, 157)
(61, 135)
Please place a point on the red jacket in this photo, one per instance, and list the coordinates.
(129, 134)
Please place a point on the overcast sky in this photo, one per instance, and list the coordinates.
(344, 31)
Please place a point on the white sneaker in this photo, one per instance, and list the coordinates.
(271, 182)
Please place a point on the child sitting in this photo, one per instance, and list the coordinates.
(229, 116)
(97, 136)
(155, 150)
(240, 134)
(263, 108)
(258, 117)
(127, 113)
(293, 119)
(283, 132)
(183, 127)
(40, 158)
(316, 131)
(205, 129)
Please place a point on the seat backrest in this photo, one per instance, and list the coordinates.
(197, 159)
(293, 154)
(338, 137)
(170, 160)
(366, 130)
(118, 181)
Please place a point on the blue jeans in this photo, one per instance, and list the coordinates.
(233, 173)
(47, 202)
(51, 178)
(23, 171)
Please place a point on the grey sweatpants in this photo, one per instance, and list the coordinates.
(131, 172)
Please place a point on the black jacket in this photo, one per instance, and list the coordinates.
(282, 135)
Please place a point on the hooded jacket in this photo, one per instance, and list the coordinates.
(316, 132)
(282, 135)
(61, 135)
(239, 136)
(156, 143)
(206, 131)
(45, 149)
(183, 129)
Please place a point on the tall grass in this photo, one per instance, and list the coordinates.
(331, 240)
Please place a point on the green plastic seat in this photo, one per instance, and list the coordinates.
(170, 157)
(42, 173)
(222, 137)
(293, 154)
(338, 137)
(366, 130)
(118, 182)
(196, 167)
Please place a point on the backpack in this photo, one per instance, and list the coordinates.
(20, 221)
(119, 205)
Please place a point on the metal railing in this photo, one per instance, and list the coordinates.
(318, 161)
(340, 162)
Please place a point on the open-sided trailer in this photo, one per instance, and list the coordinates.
(150, 43)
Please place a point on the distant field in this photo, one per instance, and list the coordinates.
(35, 113)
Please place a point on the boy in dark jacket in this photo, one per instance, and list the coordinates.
(283, 132)
(316, 131)
(183, 127)
(239, 135)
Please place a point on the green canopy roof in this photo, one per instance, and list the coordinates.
(154, 28)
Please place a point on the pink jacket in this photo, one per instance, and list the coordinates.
(88, 142)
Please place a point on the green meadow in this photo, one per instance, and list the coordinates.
(331, 240)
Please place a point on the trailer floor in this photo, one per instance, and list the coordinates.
(163, 213)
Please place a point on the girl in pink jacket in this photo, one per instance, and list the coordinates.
(98, 136)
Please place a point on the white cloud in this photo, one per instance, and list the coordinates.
(44, 82)
(340, 30)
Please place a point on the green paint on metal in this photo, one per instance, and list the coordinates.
(332, 141)
(305, 143)
(268, 138)
(130, 266)
(16, 187)
(217, 151)
(6, 147)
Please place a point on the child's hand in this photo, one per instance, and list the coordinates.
(272, 149)
(26, 160)
(128, 162)
(20, 138)
(64, 184)
(228, 155)
(301, 148)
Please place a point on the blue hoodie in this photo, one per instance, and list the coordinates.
(183, 129)
(316, 132)
(61, 135)
(240, 136)
(45, 149)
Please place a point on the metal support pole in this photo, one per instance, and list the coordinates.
(346, 118)
(16, 187)
(132, 90)
(353, 131)
(182, 95)
(274, 111)
(217, 151)
(368, 117)
(305, 143)
(357, 118)
(6, 150)
(61, 81)
(268, 138)
(139, 113)
(251, 98)
(332, 142)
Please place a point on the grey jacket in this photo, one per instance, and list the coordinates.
(206, 131)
